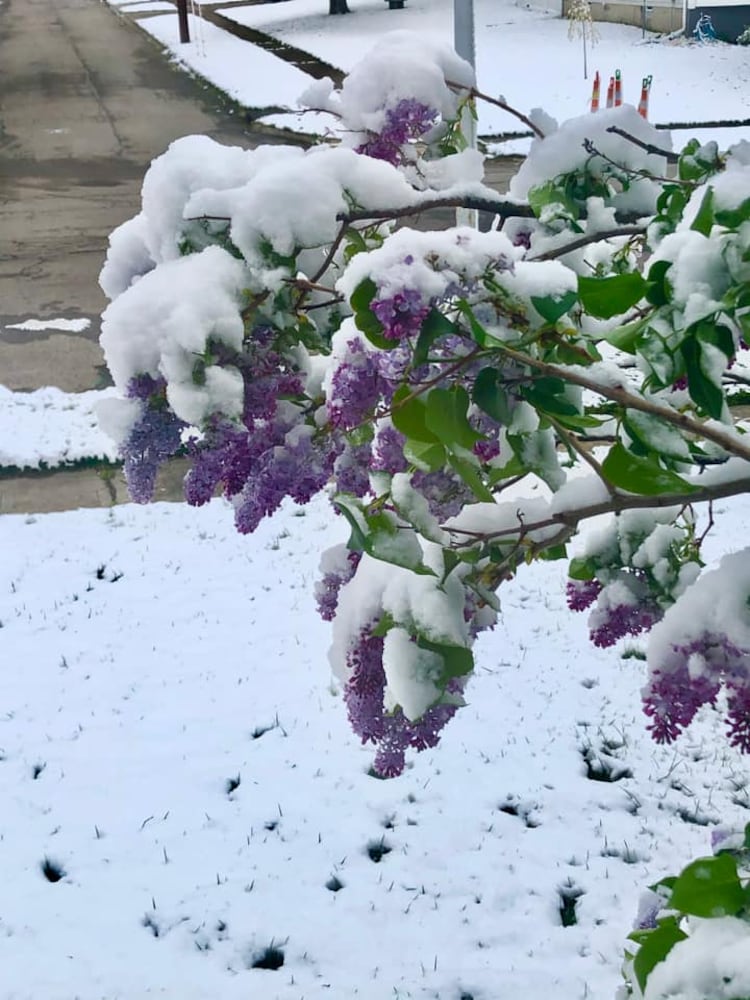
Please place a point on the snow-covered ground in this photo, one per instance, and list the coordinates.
(523, 53)
(173, 752)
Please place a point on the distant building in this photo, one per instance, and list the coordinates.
(729, 17)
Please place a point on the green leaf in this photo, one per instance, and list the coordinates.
(489, 397)
(551, 308)
(703, 390)
(656, 436)
(384, 626)
(358, 539)
(542, 195)
(612, 296)
(733, 218)
(478, 332)
(427, 457)
(554, 552)
(656, 948)
(581, 569)
(625, 337)
(355, 243)
(457, 661)
(656, 353)
(435, 325)
(445, 417)
(470, 475)
(644, 476)
(547, 394)
(704, 220)
(409, 415)
(365, 319)
(709, 887)
(380, 536)
(657, 287)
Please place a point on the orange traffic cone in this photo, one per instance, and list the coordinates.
(618, 89)
(643, 103)
(595, 93)
(611, 92)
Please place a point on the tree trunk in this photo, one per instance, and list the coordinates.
(337, 7)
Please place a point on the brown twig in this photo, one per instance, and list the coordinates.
(499, 103)
(615, 504)
(630, 401)
(668, 155)
(585, 240)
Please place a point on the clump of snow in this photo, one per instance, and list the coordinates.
(401, 64)
(161, 326)
(563, 151)
(716, 604)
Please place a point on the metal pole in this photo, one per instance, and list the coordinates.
(463, 34)
(182, 17)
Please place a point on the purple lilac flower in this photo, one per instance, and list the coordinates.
(620, 620)
(650, 906)
(350, 470)
(355, 387)
(392, 732)
(364, 689)
(154, 437)
(224, 456)
(614, 617)
(738, 715)
(402, 314)
(446, 495)
(328, 588)
(489, 447)
(388, 451)
(409, 119)
(581, 594)
(298, 470)
(673, 699)
(399, 734)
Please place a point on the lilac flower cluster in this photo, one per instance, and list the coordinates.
(297, 469)
(328, 588)
(408, 120)
(391, 732)
(155, 436)
(223, 457)
(581, 594)
(388, 451)
(616, 621)
(446, 494)
(350, 469)
(401, 314)
(625, 606)
(355, 387)
(673, 698)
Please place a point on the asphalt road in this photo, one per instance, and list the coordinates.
(87, 100)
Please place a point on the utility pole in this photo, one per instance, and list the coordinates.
(463, 34)
(182, 17)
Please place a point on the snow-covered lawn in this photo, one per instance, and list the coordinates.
(523, 53)
(172, 751)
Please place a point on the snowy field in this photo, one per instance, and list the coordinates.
(182, 798)
(523, 53)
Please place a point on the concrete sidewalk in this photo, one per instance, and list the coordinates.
(87, 101)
